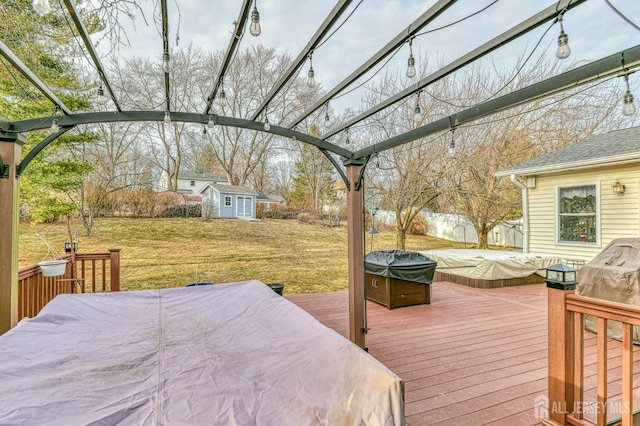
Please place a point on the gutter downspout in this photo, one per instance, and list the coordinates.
(525, 212)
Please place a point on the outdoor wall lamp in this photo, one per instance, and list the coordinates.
(619, 188)
(561, 277)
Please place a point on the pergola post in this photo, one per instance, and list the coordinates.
(355, 223)
(10, 149)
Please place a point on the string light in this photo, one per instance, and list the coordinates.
(348, 141)
(204, 133)
(210, 122)
(167, 116)
(563, 50)
(223, 95)
(628, 108)
(311, 79)
(417, 112)
(42, 7)
(166, 63)
(452, 144)
(55, 128)
(411, 62)
(254, 28)
(326, 114)
(102, 99)
(267, 126)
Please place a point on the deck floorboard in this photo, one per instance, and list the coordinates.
(472, 357)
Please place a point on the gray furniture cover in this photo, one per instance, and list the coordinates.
(231, 354)
(614, 275)
(400, 264)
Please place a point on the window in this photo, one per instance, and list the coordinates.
(193, 183)
(227, 200)
(577, 218)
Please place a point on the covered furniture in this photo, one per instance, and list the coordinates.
(218, 354)
(397, 278)
(614, 275)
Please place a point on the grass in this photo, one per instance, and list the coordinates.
(162, 253)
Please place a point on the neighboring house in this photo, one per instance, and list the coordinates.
(579, 198)
(192, 183)
(228, 201)
(267, 200)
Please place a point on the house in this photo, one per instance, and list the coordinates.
(580, 197)
(192, 183)
(228, 201)
(267, 200)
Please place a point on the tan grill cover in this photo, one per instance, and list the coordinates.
(614, 275)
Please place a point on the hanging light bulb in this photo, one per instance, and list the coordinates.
(223, 95)
(311, 79)
(166, 63)
(348, 141)
(267, 126)
(254, 28)
(102, 99)
(311, 76)
(42, 7)
(210, 122)
(628, 108)
(411, 62)
(326, 113)
(204, 133)
(417, 114)
(563, 50)
(167, 116)
(452, 144)
(55, 128)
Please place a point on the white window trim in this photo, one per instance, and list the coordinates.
(229, 199)
(557, 215)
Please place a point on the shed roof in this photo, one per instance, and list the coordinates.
(209, 177)
(230, 189)
(615, 147)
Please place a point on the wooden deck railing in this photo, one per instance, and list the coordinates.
(566, 358)
(93, 272)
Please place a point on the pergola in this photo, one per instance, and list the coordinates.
(349, 164)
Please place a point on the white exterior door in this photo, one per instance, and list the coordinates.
(243, 206)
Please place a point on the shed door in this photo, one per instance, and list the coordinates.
(244, 206)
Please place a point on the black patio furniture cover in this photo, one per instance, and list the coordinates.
(400, 264)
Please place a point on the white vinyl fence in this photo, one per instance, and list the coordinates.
(459, 228)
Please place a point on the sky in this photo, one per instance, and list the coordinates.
(594, 31)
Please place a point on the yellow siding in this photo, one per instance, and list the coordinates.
(619, 215)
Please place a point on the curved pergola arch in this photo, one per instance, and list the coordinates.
(70, 121)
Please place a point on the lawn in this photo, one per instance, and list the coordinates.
(161, 253)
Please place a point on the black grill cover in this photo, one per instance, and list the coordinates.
(400, 264)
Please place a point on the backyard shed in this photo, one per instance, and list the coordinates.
(397, 278)
(228, 201)
(579, 198)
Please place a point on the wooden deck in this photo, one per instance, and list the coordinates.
(471, 357)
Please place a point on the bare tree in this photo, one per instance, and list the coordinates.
(241, 152)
